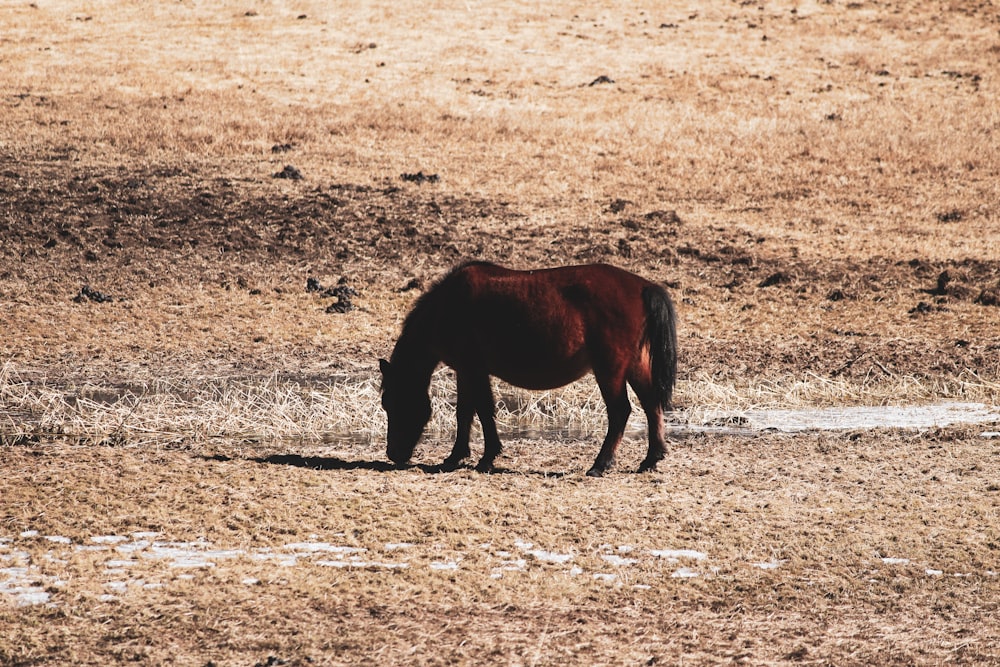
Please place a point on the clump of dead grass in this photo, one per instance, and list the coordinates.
(269, 408)
(704, 396)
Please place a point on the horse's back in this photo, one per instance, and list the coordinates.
(539, 328)
(592, 279)
(585, 287)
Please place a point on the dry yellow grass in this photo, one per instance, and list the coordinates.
(815, 181)
(273, 408)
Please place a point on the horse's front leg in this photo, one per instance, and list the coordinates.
(464, 411)
(486, 409)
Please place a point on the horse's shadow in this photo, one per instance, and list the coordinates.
(324, 462)
(334, 463)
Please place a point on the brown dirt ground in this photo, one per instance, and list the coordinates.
(749, 304)
(826, 508)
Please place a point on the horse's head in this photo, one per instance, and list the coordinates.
(408, 409)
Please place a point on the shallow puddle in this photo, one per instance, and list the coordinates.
(848, 418)
(868, 417)
(751, 422)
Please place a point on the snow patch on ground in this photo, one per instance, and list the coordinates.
(24, 582)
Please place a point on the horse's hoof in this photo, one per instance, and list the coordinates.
(484, 467)
(449, 465)
(648, 466)
(600, 467)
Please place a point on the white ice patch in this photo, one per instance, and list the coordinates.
(31, 596)
(866, 417)
(282, 560)
(322, 547)
(197, 554)
(20, 584)
(178, 550)
(538, 554)
(362, 564)
(770, 564)
(674, 555)
(515, 565)
(133, 547)
(444, 565)
(224, 554)
(685, 573)
(618, 561)
(549, 556)
(20, 556)
(193, 561)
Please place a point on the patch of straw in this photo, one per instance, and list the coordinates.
(269, 408)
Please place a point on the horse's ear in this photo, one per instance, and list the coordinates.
(383, 366)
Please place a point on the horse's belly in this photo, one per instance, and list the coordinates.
(543, 374)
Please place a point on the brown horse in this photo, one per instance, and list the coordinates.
(538, 330)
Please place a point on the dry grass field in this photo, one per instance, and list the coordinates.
(191, 441)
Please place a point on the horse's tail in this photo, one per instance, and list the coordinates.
(660, 335)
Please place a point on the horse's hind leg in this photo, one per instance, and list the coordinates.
(654, 418)
(657, 443)
(619, 409)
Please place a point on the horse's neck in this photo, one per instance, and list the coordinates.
(413, 356)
